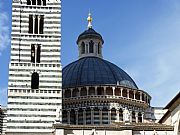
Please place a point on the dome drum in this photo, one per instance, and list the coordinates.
(95, 113)
(118, 93)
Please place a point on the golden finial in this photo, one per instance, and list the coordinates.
(89, 19)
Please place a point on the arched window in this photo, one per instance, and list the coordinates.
(35, 54)
(120, 114)
(28, 2)
(91, 46)
(139, 117)
(36, 24)
(99, 48)
(33, 2)
(133, 117)
(44, 2)
(35, 81)
(41, 25)
(32, 53)
(39, 2)
(82, 48)
(30, 24)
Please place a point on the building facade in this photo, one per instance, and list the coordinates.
(34, 88)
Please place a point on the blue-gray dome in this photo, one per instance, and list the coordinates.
(89, 33)
(89, 71)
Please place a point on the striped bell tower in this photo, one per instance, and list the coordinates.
(35, 78)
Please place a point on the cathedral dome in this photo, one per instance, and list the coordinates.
(91, 71)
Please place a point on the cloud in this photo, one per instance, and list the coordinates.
(3, 96)
(4, 31)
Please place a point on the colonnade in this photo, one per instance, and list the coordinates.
(107, 91)
(98, 115)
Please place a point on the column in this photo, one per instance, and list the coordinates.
(121, 91)
(104, 90)
(87, 88)
(92, 115)
(68, 116)
(141, 96)
(35, 56)
(84, 116)
(100, 115)
(71, 93)
(134, 94)
(76, 112)
(95, 90)
(117, 115)
(142, 117)
(136, 115)
(38, 23)
(41, 2)
(127, 93)
(34, 17)
(130, 116)
(113, 88)
(109, 116)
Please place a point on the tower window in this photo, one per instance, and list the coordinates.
(32, 53)
(44, 2)
(82, 48)
(30, 24)
(28, 2)
(35, 81)
(35, 53)
(39, 2)
(91, 46)
(41, 24)
(33, 2)
(36, 24)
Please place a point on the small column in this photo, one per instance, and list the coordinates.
(104, 90)
(68, 116)
(109, 116)
(95, 90)
(136, 115)
(87, 88)
(130, 116)
(71, 92)
(92, 115)
(141, 96)
(84, 116)
(76, 112)
(35, 56)
(142, 117)
(38, 23)
(100, 115)
(34, 17)
(117, 115)
(121, 91)
(113, 88)
(134, 94)
(127, 93)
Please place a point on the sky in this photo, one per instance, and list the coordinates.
(141, 36)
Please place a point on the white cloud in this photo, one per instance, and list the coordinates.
(3, 96)
(4, 31)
